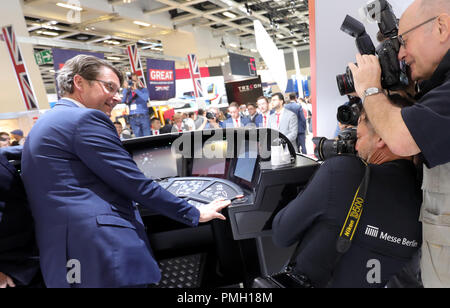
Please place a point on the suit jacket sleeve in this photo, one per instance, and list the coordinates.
(97, 145)
(293, 128)
(12, 153)
(142, 94)
(292, 223)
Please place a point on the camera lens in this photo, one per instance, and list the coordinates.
(348, 115)
(345, 83)
(324, 148)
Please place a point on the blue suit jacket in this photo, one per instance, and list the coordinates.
(229, 123)
(18, 251)
(81, 183)
(258, 120)
(298, 110)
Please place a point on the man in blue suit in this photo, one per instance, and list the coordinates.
(236, 120)
(296, 108)
(19, 257)
(82, 185)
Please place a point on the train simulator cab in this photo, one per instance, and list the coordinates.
(202, 166)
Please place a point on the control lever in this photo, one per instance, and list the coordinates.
(236, 198)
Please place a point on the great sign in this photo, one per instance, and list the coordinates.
(161, 75)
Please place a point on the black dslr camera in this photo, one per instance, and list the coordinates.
(394, 72)
(210, 116)
(345, 144)
(349, 114)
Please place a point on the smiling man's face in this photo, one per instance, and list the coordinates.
(98, 95)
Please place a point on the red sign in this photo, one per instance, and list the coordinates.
(161, 75)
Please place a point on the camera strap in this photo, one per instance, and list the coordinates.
(354, 215)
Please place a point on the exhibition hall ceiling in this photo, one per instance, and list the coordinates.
(114, 24)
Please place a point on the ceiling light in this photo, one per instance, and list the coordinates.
(295, 43)
(140, 23)
(280, 36)
(110, 42)
(229, 14)
(113, 58)
(233, 45)
(69, 6)
(49, 33)
(253, 50)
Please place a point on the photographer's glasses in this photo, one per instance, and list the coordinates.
(400, 38)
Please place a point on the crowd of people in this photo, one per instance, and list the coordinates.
(289, 115)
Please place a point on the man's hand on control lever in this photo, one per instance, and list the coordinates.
(367, 74)
(212, 210)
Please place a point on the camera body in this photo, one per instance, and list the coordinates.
(348, 114)
(345, 144)
(394, 73)
(210, 116)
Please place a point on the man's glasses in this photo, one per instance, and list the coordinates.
(109, 86)
(400, 38)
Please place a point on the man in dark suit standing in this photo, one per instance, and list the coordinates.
(82, 186)
(296, 108)
(19, 258)
(253, 115)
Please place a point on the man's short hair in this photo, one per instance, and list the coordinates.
(292, 96)
(234, 105)
(252, 104)
(87, 67)
(118, 123)
(264, 98)
(279, 95)
(201, 112)
(153, 120)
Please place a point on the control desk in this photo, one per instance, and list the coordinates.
(203, 166)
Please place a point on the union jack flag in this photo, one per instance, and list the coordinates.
(26, 89)
(195, 74)
(136, 64)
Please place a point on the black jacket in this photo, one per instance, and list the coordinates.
(18, 252)
(389, 230)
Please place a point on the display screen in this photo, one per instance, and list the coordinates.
(245, 167)
(246, 163)
(157, 163)
(207, 167)
(211, 161)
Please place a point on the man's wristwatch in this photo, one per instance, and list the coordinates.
(370, 92)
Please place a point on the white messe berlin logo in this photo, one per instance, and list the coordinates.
(372, 231)
(375, 231)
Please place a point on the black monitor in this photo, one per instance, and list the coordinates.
(209, 167)
(157, 163)
(210, 160)
(246, 162)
